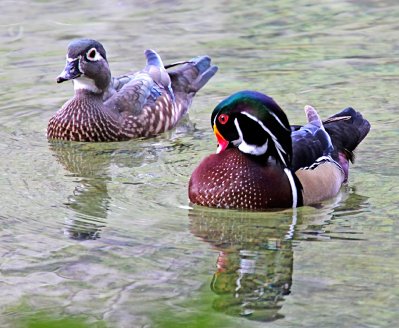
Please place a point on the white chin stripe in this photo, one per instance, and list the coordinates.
(84, 83)
(247, 148)
(253, 149)
(280, 150)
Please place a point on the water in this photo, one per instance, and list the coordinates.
(103, 235)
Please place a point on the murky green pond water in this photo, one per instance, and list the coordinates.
(104, 235)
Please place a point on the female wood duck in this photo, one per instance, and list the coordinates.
(139, 104)
(263, 162)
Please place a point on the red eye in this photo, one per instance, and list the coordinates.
(223, 118)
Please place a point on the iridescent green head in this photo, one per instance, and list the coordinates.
(255, 124)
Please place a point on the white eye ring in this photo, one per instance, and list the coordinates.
(93, 55)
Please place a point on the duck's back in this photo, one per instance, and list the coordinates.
(154, 100)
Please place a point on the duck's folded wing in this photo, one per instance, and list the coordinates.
(129, 94)
(139, 92)
(309, 142)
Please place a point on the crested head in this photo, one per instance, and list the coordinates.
(252, 102)
(255, 124)
(86, 66)
(81, 46)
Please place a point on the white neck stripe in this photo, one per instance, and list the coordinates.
(293, 187)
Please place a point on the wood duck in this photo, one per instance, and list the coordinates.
(139, 104)
(263, 162)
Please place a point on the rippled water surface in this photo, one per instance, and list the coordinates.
(104, 235)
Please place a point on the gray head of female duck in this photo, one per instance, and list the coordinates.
(87, 66)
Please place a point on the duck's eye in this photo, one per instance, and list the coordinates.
(223, 118)
(92, 54)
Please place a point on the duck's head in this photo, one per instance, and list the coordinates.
(87, 66)
(255, 124)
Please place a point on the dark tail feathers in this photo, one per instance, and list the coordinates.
(346, 129)
(189, 77)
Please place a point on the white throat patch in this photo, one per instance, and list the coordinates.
(248, 148)
(84, 83)
(279, 148)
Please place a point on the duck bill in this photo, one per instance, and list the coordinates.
(222, 142)
(70, 72)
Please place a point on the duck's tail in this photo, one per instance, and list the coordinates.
(189, 77)
(347, 129)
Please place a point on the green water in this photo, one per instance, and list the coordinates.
(103, 235)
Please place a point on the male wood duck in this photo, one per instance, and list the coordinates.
(139, 104)
(263, 162)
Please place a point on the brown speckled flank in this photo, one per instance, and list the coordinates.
(139, 104)
(96, 123)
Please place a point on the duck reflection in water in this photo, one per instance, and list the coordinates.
(89, 164)
(254, 267)
(89, 200)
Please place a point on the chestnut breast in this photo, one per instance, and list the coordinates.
(232, 179)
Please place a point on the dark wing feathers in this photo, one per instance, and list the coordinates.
(189, 77)
(181, 83)
(133, 92)
(132, 97)
(192, 75)
(345, 129)
(307, 146)
(310, 141)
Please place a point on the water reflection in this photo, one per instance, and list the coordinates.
(93, 165)
(332, 221)
(254, 267)
(89, 200)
